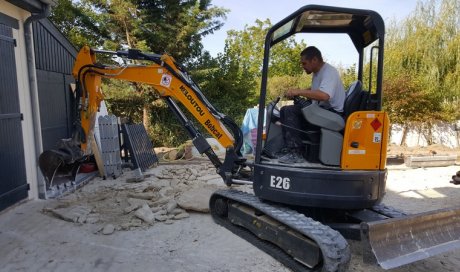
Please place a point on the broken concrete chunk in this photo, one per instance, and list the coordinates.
(134, 204)
(157, 185)
(194, 171)
(162, 201)
(108, 229)
(136, 222)
(175, 182)
(76, 214)
(125, 226)
(97, 229)
(145, 214)
(135, 176)
(132, 224)
(130, 208)
(160, 212)
(177, 211)
(196, 199)
(156, 209)
(171, 206)
(93, 218)
(145, 196)
(161, 218)
(181, 216)
(167, 191)
(180, 171)
(82, 219)
(192, 177)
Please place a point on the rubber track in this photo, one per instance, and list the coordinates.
(263, 245)
(334, 248)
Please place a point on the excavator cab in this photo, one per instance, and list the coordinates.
(345, 156)
(301, 207)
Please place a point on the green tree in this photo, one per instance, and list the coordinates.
(247, 45)
(425, 48)
(79, 23)
(226, 85)
(177, 27)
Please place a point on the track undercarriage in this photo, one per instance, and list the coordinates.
(295, 240)
(389, 237)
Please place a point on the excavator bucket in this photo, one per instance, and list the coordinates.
(399, 241)
(49, 162)
(68, 153)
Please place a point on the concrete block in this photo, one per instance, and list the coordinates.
(430, 161)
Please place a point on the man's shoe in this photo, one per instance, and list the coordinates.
(291, 158)
(282, 152)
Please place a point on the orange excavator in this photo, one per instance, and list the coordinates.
(302, 213)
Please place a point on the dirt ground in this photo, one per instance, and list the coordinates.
(172, 233)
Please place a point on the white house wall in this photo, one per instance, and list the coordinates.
(24, 95)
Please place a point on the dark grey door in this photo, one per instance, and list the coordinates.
(56, 107)
(13, 183)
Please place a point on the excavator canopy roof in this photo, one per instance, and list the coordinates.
(363, 26)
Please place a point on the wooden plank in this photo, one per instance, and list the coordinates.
(97, 156)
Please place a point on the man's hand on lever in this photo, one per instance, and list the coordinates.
(291, 93)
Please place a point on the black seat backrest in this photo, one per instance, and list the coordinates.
(355, 98)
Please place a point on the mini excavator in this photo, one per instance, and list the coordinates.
(302, 213)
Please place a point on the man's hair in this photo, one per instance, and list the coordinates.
(310, 52)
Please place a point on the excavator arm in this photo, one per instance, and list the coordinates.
(172, 83)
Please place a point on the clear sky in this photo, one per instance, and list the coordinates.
(338, 49)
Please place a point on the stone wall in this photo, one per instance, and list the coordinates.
(447, 134)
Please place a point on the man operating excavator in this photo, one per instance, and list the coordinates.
(326, 89)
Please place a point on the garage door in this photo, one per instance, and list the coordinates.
(13, 183)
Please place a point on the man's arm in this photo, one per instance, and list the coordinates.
(308, 93)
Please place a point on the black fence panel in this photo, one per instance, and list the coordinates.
(137, 144)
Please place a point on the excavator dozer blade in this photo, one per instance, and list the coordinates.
(399, 241)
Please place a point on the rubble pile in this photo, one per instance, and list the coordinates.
(167, 193)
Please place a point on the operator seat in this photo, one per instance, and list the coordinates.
(331, 125)
(355, 98)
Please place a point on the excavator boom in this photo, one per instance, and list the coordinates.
(171, 82)
(162, 74)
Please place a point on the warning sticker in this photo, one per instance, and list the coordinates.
(357, 152)
(357, 124)
(377, 137)
(166, 80)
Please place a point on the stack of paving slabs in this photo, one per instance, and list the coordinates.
(110, 145)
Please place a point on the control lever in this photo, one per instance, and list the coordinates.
(303, 102)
